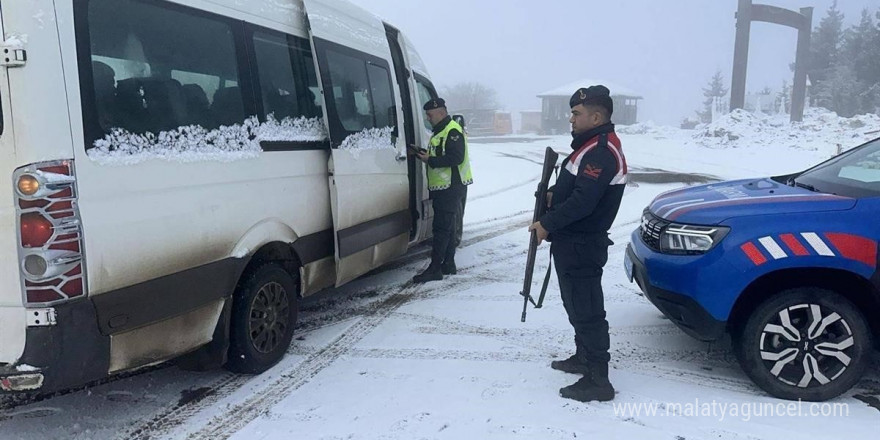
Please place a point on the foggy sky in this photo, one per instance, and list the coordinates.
(667, 50)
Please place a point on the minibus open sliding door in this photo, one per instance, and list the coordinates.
(369, 187)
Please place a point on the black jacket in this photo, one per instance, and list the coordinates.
(590, 185)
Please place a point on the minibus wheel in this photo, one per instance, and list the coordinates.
(804, 344)
(264, 312)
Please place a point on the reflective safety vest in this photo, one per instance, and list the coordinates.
(441, 178)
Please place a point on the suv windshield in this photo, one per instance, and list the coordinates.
(852, 174)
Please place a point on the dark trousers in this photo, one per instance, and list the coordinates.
(447, 213)
(579, 261)
(459, 226)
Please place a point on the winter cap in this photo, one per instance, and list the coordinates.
(435, 104)
(593, 95)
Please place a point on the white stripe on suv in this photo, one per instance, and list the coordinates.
(773, 248)
(817, 244)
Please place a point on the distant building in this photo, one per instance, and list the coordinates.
(530, 122)
(556, 112)
(487, 122)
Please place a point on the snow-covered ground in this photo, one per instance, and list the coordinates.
(381, 359)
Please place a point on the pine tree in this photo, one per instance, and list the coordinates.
(845, 64)
(861, 55)
(825, 45)
(858, 51)
(870, 71)
(715, 89)
(841, 91)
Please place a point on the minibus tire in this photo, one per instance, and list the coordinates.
(801, 307)
(264, 312)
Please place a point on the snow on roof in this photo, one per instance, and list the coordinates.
(568, 89)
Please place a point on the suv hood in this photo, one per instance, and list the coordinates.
(712, 204)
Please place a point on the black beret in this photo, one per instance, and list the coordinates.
(435, 103)
(593, 95)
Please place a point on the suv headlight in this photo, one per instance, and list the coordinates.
(690, 240)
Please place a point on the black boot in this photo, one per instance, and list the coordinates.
(593, 386)
(584, 390)
(571, 365)
(432, 273)
(448, 268)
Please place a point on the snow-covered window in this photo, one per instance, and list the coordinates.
(156, 68)
(166, 82)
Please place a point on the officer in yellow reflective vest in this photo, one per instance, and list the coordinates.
(449, 172)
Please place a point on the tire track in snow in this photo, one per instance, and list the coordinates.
(537, 160)
(496, 227)
(334, 316)
(240, 415)
(458, 355)
(178, 413)
(532, 181)
(297, 375)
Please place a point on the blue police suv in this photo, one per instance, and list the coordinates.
(787, 265)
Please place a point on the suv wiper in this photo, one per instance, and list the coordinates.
(804, 186)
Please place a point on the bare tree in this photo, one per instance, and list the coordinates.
(470, 96)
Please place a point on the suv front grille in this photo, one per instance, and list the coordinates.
(651, 228)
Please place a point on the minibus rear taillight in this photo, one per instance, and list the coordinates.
(50, 235)
(36, 230)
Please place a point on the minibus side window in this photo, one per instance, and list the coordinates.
(307, 65)
(284, 77)
(383, 97)
(351, 87)
(360, 91)
(426, 93)
(157, 67)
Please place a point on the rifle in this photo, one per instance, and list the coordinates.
(550, 158)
